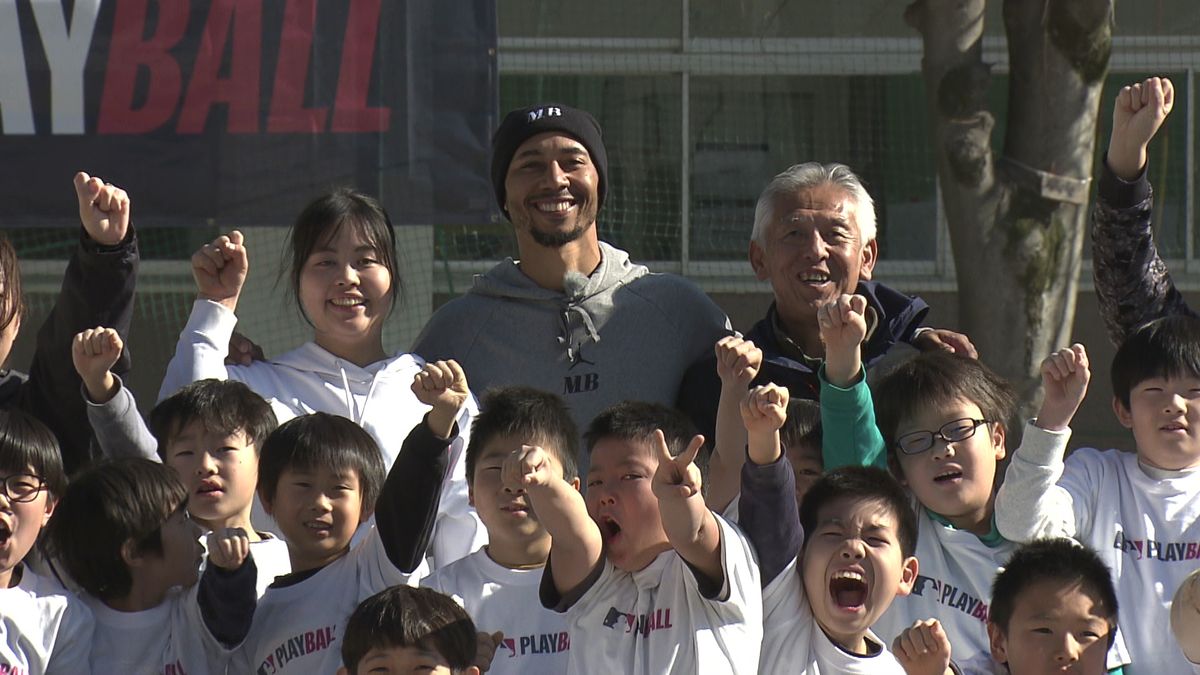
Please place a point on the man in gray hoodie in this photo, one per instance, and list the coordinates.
(573, 315)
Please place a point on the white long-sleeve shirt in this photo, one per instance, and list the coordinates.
(1143, 522)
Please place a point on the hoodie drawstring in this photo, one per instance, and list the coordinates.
(573, 337)
(349, 396)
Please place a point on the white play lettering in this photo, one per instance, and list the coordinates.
(67, 53)
(16, 111)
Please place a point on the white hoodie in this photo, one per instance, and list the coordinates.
(309, 379)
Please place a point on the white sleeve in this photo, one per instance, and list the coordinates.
(72, 650)
(1030, 504)
(202, 347)
(458, 532)
(376, 571)
(742, 585)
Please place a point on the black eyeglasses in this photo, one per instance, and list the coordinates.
(916, 442)
(22, 487)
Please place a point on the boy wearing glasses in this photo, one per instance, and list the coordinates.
(941, 430)
(43, 628)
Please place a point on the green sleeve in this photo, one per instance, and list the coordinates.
(849, 436)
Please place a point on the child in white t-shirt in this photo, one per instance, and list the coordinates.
(209, 431)
(43, 627)
(650, 580)
(498, 585)
(410, 630)
(1053, 609)
(321, 476)
(1140, 511)
(122, 534)
(829, 568)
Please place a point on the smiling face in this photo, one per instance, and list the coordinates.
(954, 480)
(220, 472)
(1164, 413)
(621, 502)
(513, 527)
(552, 190)
(1053, 629)
(853, 567)
(345, 291)
(318, 511)
(813, 251)
(21, 522)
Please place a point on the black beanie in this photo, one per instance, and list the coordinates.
(523, 123)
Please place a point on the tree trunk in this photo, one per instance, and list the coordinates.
(1017, 222)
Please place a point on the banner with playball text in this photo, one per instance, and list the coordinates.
(238, 112)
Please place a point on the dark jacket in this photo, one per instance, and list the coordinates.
(1132, 282)
(898, 317)
(97, 290)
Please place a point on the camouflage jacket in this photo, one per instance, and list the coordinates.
(1132, 282)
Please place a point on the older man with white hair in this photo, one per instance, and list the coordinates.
(814, 240)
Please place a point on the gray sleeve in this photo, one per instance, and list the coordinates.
(1030, 503)
(119, 428)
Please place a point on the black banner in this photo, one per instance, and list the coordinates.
(237, 112)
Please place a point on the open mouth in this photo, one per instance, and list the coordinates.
(552, 204)
(5, 533)
(609, 528)
(848, 589)
(815, 278)
(318, 527)
(948, 476)
(348, 302)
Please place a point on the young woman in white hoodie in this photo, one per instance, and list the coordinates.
(344, 278)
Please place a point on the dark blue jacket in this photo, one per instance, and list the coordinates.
(899, 316)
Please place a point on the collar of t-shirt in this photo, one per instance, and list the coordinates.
(293, 578)
(792, 349)
(1165, 474)
(873, 648)
(992, 539)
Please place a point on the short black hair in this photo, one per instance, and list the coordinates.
(531, 415)
(28, 444)
(1063, 561)
(936, 380)
(324, 217)
(106, 505)
(637, 421)
(402, 616)
(1167, 347)
(862, 483)
(803, 425)
(12, 300)
(321, 440)
(222, 406)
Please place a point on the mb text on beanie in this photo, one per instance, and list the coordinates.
(524, 123)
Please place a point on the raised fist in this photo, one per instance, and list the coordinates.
(103, 209)
(220, 267)
(228, 548)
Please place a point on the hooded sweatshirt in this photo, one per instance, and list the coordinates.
(310, 379)
(621, 333)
